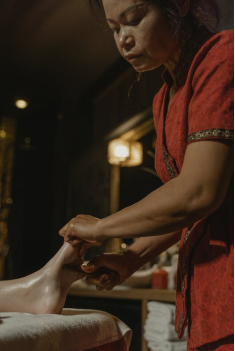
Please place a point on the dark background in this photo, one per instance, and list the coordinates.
(54, 53)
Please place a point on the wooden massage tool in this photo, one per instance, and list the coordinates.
(97, 273)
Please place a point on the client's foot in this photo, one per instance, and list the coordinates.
(44, 291)
(57, 281)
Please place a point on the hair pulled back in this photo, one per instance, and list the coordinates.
(201, 12)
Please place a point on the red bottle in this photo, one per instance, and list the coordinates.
(159, 278)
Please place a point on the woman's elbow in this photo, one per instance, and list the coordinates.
(203, 203)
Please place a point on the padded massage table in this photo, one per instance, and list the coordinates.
(73, 330)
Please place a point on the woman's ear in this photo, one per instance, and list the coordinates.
(185, 7)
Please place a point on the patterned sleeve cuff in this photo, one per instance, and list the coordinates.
(211, 134)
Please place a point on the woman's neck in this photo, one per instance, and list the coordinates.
(171, 64)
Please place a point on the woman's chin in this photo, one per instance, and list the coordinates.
(144, 68)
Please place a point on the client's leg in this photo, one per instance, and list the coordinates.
(43, 291)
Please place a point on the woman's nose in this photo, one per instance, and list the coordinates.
(126, 40)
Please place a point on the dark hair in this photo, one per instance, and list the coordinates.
(201, 12)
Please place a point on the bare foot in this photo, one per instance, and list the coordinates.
(44, 291)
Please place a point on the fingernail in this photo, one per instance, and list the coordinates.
(105, 278)
(89, 264)
(85, 264)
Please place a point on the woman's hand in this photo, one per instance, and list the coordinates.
(116, 262)
(81, 231)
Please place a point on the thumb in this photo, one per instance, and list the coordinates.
(63, 230)
(92, 265)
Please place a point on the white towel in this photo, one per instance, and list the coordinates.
(165, 332)
(155, 318)
(162, 310)
(73, 330)
(168, 346)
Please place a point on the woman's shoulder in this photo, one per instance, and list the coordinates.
(225, 35)
(216, 56)
(222, 40)
(219, 47)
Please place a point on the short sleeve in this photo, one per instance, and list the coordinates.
(210, 114)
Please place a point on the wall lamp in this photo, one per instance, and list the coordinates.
(21, 103)
(3, 134)
(125, 153)
(121, 153)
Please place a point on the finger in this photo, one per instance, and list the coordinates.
(95, 263)
(82, 216)
(115, 280)
(112, 281)
(99, 288)
(106, 286)
(109, 286)
(70, 241)
(69, 229)
(100, 280)
(105, 282)
(73, 241)
(63, 230)
(88, 269)
(70, 234)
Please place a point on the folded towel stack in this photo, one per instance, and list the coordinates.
(159, 328)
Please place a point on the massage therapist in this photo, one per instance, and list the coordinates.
(193, 114)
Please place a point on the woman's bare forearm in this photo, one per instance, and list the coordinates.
(146, 249)
(163, 211)
(198, 191)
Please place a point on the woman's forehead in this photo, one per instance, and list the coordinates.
(120, 5)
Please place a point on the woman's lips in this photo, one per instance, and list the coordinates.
(132, 58)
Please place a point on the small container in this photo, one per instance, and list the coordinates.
(159, 278)
(173, 272)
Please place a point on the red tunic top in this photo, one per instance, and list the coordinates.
(201, 109)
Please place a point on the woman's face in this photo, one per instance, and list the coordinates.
(142, 33)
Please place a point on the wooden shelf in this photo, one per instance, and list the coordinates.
(130, 294)
(144, 295)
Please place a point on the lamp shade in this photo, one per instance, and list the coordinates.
(21, 103)
(125, 153)
(3, 134)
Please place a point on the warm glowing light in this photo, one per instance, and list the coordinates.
(125, 153)
(121, 151)
(9, 201)
(21, 103)
(3, 134)
(27, 140)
